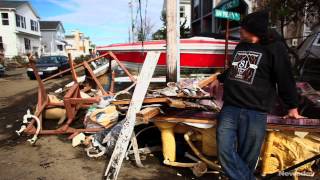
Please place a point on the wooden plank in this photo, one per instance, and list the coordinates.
(153, 80)
(293, 122)
(205, 82)
(293, 128)
(176, 103)
(156, 100)
(183, 119)
(139, 93)
(146, 114)
(208, 80)
(145, 101)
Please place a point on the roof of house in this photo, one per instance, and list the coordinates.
(11, 4)
(15, 4)
(49, 25)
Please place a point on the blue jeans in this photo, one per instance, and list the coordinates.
(240, 134)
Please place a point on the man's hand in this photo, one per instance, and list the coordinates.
(293, 113)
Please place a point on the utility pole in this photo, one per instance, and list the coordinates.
(173, 38)
(132, 25)
(129, 31)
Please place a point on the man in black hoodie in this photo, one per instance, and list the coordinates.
(258, 71)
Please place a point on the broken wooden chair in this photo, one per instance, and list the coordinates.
(72, 100)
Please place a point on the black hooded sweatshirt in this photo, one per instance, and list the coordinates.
(257, 73)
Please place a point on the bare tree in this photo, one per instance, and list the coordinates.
(144, 33)
(162, 32)
(285, 12)
(291, 13)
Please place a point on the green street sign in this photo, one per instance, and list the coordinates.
(230, 5)
(227, 15)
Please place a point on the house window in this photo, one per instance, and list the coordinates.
(182, 12)
(20, 21)
(1, 44)
(23, 22)
(196, 10)
(34, 25)
(27, 44)
(60, 47)
(5, 18)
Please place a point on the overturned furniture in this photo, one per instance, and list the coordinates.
(72, 101)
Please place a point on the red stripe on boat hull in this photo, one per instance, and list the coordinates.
(186, 59)
(163, 43)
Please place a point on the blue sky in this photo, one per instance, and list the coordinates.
(104, 21)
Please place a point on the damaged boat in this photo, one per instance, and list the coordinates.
(202, 54)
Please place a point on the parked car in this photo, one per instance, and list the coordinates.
(2, 69)
(49, 65)
(309, 56)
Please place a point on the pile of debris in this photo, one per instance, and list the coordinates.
(188, 107)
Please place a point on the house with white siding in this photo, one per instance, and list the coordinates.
(52, 38)
(19, 29)
(184, 11)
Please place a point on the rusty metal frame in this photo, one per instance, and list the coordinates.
(72, 100)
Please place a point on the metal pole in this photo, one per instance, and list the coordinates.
(226, 45)
(110, 74)
(178, 39)
(129, 35)
(132, 25)
(172, 40)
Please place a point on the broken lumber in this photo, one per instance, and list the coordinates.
(139, 93)
(180, 104)
(205, 82)
(183, 120)
(147, 113)
(208, 80)
(156, 100)
(145, 101)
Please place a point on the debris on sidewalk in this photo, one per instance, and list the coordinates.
(186, 107)
(101, 116)
(78, 139)
(103, 142)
